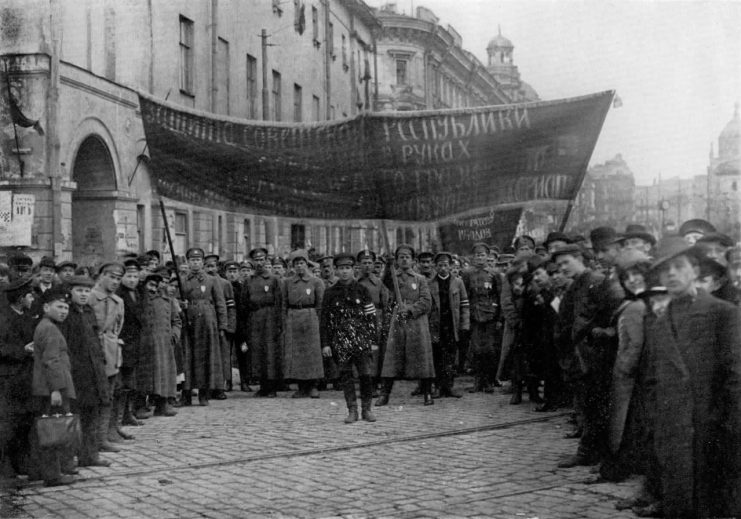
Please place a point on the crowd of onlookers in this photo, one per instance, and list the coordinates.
(639, 337)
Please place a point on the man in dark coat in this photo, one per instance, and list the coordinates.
(695, 381)
(128, 399)
(80, 330)
(586, 354)
(239, 337)
(16, 368)
(211, 267)
(262, 296)
(380, 297)
(348, 333)
(207, 324)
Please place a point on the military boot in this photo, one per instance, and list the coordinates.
(388, 384)
(348, 387)
(366, 398)
(105, 419)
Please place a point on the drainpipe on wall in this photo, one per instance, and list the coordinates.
(327, 60)
(52, 136)
(214, 53)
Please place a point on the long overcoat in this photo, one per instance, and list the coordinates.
(130, 333)
(16, 364)
(459, 307)
(302, 304)
(206, 316)
(261, 295)
(80, 330)
(409, 347)
(695, 373)
(160, 332)
(51, 365)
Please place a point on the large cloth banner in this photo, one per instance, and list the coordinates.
(491, 227)
(415, 166)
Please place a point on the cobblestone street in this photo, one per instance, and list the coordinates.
(247, 457)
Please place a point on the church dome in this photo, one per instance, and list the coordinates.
(500, 42)
(730, 137)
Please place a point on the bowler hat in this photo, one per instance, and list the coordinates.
(602, 236)
(635, 230)
(697, 225)
(716, 237)
(671, 247)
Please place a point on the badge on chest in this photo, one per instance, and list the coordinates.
(487, 285)
(203, 289)
(308, 291)
(414, 286)
(267, 289)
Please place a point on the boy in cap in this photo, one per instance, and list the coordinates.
(109, 312)
(233, 273)
(348, 333)
(380, 297)
(52, 384)
(16, 370)
(695, 386)
(66, 271)
(80, 330)
(128, 400)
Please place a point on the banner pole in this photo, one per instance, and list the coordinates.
(392, 267)
(174, 258)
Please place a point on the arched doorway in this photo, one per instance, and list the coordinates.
(93, 203)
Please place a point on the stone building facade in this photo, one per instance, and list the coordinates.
(76, 67)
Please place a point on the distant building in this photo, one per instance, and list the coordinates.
(724, 185)
(606, 197)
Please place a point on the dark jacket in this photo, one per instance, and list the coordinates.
(347, 322)
(131, 331)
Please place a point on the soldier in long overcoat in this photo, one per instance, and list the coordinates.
(409, 348)
(211, 266)
(302, 304)
(261, 295)
(160, 332)
(695, 381)
(206, 314)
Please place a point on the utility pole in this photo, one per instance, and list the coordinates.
(265, 93)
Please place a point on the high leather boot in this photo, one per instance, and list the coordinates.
(113, 435)
(516, 397)
(104, 424)
(366, 398)
(128, 417)
(164, 408)
(533, 392)
(186, 398)
(388, 384)
(117, 414)
(348, 388)
(426, 385)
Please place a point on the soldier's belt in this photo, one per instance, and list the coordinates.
(301, 307)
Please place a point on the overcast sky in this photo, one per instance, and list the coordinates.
(675, 65)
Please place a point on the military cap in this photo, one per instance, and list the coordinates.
(20, 260)
(402, 247)
(697, 225)
(425, 255)
(443, 254)
(299, 254)
(211, 256)
(154, 253)
(524, 238)
(144, 260)
(194, 252)
(364, 254)
(556, 236)
(19, 287)
(111, 266)
(154, 276)
(231, 264)
(55, 294)
(81, 281)
(716, 237)
(256, 250)
(131, 264)
(602, 236)
(279, 261)
(570, 248)
(343, 258)
(635, 230)
(65, 264)
(247, 264)
(47, 262)
(480, 245)
(325, 259)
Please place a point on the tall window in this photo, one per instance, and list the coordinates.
(401, 72)
(222, 76)
(298, 236)
(297, 103)
(181, 233)
(315, 108)
(246, 232)
(315, 24)
(186, 55)
(276, 96)
(251, 87)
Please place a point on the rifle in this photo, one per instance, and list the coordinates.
(174, 260)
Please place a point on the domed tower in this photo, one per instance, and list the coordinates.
(501, 65)
(729, 141)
